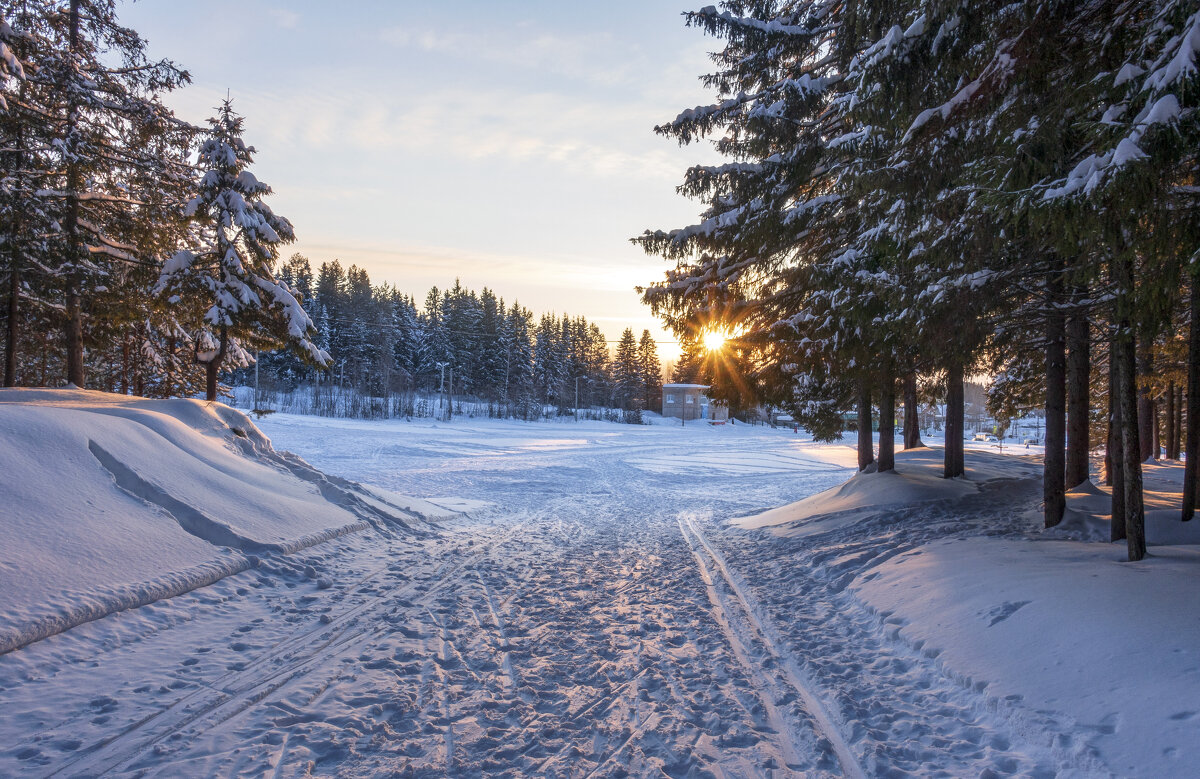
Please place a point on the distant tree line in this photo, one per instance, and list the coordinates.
(921, 192)
(385, 345)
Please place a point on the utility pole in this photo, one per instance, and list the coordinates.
(576, 398)
(442, 384)
(450, 406)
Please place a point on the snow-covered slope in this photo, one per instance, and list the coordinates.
(917, 479)
(1053, 628)
(112, 502)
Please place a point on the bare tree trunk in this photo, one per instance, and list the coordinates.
(1079, 369)
(1135, 520)
(954, 465)
(13, 324)
(1178, 420)
(1128, 396)
(1053, 492)
(866, 450)
(1145, 406)
(1169, 420)
(887, 424)
(212, 366)
(210, 379)
(1116, 455)
(912, 421)
(1156, 420)
(125, 366)
(1191, 455)
(74, 302)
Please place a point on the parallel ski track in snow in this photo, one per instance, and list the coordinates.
(601, 624)
(814, 706)
(295, 657)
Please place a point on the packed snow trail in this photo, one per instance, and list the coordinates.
(597, 620)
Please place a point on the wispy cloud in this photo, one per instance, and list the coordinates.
(578, 135)
(289, 20)
(595, 58)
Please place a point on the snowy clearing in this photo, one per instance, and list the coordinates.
(596, 611)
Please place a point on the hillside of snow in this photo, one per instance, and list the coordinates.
(112, 502)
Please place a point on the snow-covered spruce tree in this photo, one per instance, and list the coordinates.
(776, 213)
(105, 108)
(650, 370)
(22, 216)
(627, 373)
(226, 276)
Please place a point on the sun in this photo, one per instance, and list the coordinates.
(714, 340)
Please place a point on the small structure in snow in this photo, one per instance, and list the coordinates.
(686, 402)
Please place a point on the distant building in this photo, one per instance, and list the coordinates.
(688, 401)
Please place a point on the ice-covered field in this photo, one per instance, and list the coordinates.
(585, 607)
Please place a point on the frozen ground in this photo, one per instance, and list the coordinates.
(595, 613)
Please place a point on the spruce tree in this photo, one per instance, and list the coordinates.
(229, 265)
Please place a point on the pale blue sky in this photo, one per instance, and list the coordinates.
(507, 143)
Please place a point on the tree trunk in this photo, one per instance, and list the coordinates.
(1145, 407)
(125, 366)
(74, 302)
(13, 325)
(1116, 456)
(1053, 491)
(912, 421)
(887, 424)
(1169, 420)
(866, 451)
(1135, 520)
(1191, 455)
(1079, 369)
(954, 464)
(1178, 421)
(210, 379)
(1156, 420)
(213, 366)
(74, 335)
(1108, 433)
(1128, 396)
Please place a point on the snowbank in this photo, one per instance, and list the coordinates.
(1066, 627)
(1056, 621)
(917, 479)
(113, 502)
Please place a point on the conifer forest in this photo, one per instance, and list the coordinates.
(920, 192)
(140, 256)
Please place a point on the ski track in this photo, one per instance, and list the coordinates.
(599, 621)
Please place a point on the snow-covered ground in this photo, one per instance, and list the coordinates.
(605, 600)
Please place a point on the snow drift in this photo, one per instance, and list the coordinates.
(917, 479)
(1046, 623)
(112, 502)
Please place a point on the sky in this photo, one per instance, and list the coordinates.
(506, 144)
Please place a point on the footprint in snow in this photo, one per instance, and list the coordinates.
(1006, 610)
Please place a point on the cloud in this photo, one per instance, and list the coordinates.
(575, 134)
(595, 58)
(289, 20)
